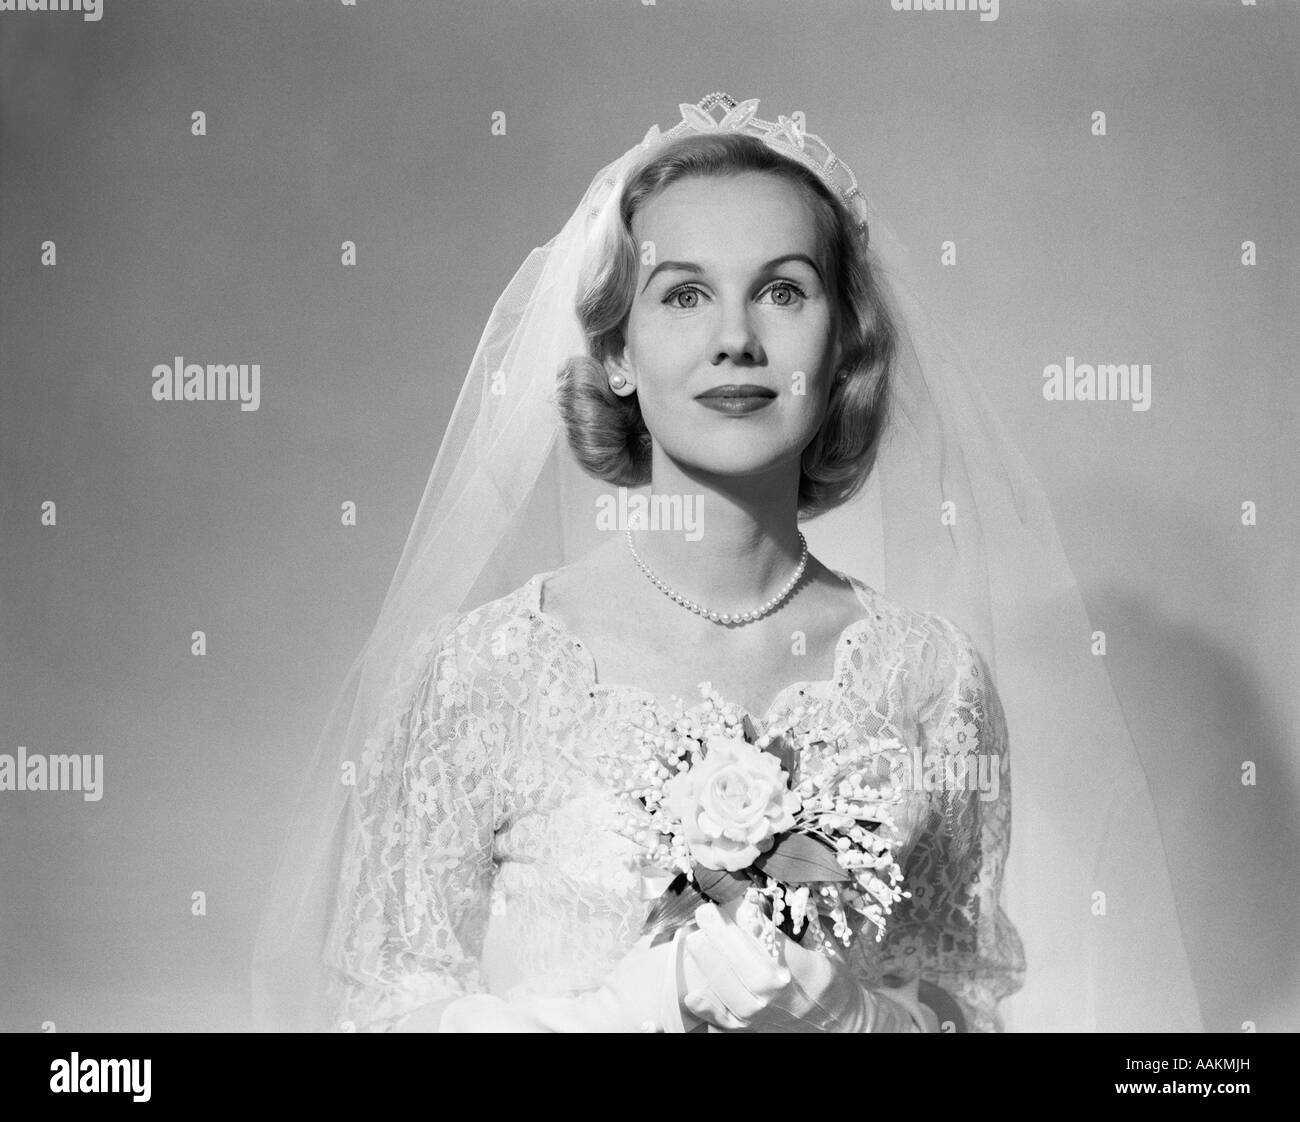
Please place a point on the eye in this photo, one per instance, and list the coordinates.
(788, 289)
(684, 290)
(791, 291)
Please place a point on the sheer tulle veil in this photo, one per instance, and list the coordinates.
(1086, 883)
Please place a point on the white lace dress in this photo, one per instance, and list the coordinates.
(487, 856)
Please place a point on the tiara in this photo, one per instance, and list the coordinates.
(785, 135)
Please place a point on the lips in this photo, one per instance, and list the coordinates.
(744, 390)
(736, 400)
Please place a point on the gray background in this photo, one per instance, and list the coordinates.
(371, 123)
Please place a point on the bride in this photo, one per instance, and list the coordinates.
(712, 324)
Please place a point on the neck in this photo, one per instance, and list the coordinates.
(747, 544)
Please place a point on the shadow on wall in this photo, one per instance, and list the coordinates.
(1197, 715)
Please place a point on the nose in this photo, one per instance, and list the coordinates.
(735, 337)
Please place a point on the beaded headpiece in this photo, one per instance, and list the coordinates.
(785, 135)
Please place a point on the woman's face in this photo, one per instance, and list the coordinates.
(729, 295)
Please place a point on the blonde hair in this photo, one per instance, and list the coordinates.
(606, 432)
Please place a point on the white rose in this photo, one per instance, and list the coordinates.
(731, 803)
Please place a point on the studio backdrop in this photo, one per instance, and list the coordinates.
(328, 197)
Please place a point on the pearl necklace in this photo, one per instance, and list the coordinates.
(724, 617)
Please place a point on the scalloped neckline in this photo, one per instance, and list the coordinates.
(843, 645)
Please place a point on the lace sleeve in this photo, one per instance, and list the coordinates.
(952, 933)
(415, 898)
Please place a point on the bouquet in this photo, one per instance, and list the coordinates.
(795, 821)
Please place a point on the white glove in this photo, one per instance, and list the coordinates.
(735, 984)
(639, 995)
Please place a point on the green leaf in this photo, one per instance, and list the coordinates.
(783, 751)
(719, 885)
(798, 858)
(674, 908)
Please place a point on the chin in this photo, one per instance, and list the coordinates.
(737, 463)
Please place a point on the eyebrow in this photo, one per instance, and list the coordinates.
(691, 267)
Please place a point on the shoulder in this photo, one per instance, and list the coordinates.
(516, 610)
(952, 645)
(916, 635)
(939, 657)
(957, 689)
(469, 644)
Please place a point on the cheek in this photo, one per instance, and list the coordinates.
(808, 353)
(662, 354)
(808, 409)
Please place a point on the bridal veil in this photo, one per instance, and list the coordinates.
(952, 520)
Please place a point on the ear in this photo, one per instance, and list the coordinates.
(837, 355)
(620, 364)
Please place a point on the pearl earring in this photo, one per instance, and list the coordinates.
(620, 385)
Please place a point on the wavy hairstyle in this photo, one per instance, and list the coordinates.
(606, 432)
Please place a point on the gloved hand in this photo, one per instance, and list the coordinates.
(733, 982)
(639, 995)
